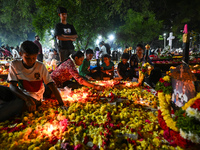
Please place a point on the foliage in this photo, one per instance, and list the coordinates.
(132, 21)
(15, 22)
(140, 27)
(187, 123)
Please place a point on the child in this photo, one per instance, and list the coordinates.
(84, 69)
(123, 68)
(26, 77)
(63, 74)
(107, 68)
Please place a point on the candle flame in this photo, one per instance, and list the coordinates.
(50, 129)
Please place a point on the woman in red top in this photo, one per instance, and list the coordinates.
(67, 69)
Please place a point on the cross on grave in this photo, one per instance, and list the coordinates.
(170, 38)
(181, 71)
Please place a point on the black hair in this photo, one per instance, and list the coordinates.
(96, 49)
(61, 10)
(107, 55)
(78, 54)
(29, 47)
(36, 36)
(125, 56)
(101, 43)
(140, 45)
(89, 51)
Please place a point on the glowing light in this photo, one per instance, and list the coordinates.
(97, 42)
(50, 129)
(111, 37)
(99, 37)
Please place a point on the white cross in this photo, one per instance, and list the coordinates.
(170, 38)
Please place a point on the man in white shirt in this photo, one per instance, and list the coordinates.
(15, 53)
(102, 50)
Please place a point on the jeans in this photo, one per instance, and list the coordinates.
(10, 105)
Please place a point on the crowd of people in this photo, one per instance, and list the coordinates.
(30, 81)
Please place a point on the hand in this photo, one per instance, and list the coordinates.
(30, 103)
(64, 107)
(136, 69)
(93, 71)
(73, 39)
(91, 79)
(107, 72)
(98, 87)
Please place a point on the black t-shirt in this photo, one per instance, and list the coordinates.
(65, 29)
(122, 69)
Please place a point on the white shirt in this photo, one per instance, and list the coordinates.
(103, 50)
(30, 81)
(15, 54)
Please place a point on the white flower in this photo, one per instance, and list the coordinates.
(193, 137)
(191, 112)
(183, 134)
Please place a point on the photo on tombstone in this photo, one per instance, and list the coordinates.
(183, 91)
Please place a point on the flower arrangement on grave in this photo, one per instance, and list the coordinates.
(179, 128)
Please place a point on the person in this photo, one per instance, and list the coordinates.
(97, 56)
(10, 105)
(107, 68)
(139, 57)
(15, 53)
(26, 77)
(66, 34)
(50, 56)
(102, 50)
(176, 92)
(183, 97)
(8, 48)
(55, 55)
(5, 52)
(64, 72)
(126, 49)
(84, 69)
(123, 69)
(107, 47)
(40, 54)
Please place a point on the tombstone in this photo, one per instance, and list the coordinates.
(183, 85)
(170, 38)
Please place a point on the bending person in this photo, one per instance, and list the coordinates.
(63, 74)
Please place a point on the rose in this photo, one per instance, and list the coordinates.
(161, 80)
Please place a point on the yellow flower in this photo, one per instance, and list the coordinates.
(157, 142)
(25, 118)
(166, 78)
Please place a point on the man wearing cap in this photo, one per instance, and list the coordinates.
(40, 55)
(66, 34)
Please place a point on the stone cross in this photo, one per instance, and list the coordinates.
(181, 71)
(170, 38)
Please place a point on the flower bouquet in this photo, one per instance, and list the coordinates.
(144, 69)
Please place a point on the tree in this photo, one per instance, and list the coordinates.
(139, 27)
(88, 17)
(15, 22)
